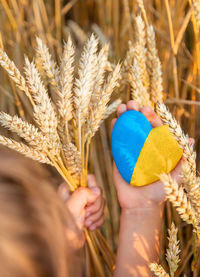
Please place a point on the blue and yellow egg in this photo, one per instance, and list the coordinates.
(141, 153)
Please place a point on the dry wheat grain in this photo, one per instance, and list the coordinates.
(191, 184)
(14, 74)
(97, 114)
(138, 91)
(66, 81)
(26, 131)
(154, 67)
(158, 270)
(86, 79)
(181, 138)
(49, 66)
(196, 8)
(73, 160)
(25, 150)
(44, 113)
(140, 51)
(173, 250)
(179, 199)
(102, 63)
(128, 61)
(111, 109)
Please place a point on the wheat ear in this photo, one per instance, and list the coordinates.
(25, 130)
(154, 67)
(66, 81)
(181, 138)
(127, 64)
(191, 184)
(97, 114)
(140, 51)
(86, 79)
(25, 150)
(138, 90)
(44, 113)
(178, 197)
(73, 160)
(49, 66)
(102, 63)
(158, 270)
(196, 8)
(173, 250)
(14, 74)
(111, 109)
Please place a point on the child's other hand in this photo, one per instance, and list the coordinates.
(131, 197)
(85, 204)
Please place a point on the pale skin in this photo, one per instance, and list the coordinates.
(141, 212)
(141, 215)
(87, 208)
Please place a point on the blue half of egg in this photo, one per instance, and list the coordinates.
(128, 137)
(141, 153)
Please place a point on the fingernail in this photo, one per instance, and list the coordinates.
(88, 223)
(95, 190)
(93, 228)
(88, 213)
(122, 108)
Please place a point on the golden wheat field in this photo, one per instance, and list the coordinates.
(121, 50)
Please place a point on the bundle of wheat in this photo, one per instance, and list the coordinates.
(66, 122)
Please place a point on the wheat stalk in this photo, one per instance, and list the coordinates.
(158, 270)
(127, 64)
(73, 160)
(97, 114)
(179, 199)
(191, 184)
(154, 67)
(25, 150)
(173, 250)
(181, 138)
(25, 130)
(48, 65)
(86, 79)
(44, 113)
(66, 81)
(102, 64)
(140, 51)
(14, 74)
(138, 91)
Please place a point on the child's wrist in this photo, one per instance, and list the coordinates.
(148, 209)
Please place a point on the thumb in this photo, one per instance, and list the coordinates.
(81, 198)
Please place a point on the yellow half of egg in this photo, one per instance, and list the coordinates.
(160, 154)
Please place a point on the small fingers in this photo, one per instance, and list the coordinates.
(121, 109)
(92, 181)
(152, 117)
(95, 216)
(94, 207)
(97, 224)
(113, 123)
(133, 105)
(192, 141)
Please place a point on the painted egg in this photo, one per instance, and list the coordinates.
(141, 153)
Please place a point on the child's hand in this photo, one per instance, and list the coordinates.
(85, 204)
(131, 197)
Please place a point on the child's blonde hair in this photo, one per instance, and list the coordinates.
(33, 222)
